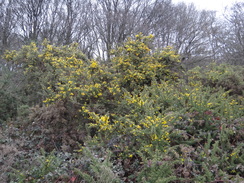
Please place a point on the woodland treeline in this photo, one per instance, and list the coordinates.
(101, 25)
(120, 91)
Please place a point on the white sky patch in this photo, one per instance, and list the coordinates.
(215, 5)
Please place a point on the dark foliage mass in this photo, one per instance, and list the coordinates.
(119, 91)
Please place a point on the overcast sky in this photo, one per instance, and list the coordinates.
(217, 5)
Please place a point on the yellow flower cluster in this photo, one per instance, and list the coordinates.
(154, 121)
(137, 66)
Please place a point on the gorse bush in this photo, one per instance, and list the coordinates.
(135, 118)
(137, 65)
(226, 76)
(40, 66)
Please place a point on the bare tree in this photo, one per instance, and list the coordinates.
(161, 22)
(233, 38)
(115, 20)
(8, 22)
(83, 27)
(31, 13)
(51, 23)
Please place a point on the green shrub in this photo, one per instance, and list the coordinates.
(229, 77)
(140, 117)
(42, 171)
(8, 106)
(99, 169)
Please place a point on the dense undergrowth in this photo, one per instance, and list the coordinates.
(140, 118)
